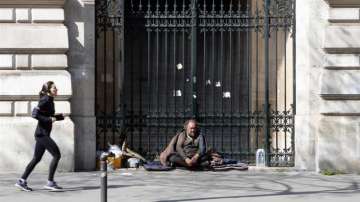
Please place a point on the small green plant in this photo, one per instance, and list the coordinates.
(330, 172)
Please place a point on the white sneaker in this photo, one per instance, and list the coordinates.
(52, 186)
(22, 185)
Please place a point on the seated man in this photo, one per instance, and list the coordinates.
(190, 148)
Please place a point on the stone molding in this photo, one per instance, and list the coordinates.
(35, 38)
(343, 3)
(33, 2)
(28, 84)
(342, 61)
(342, 39)
(88, 1)
(340, 85)
(33, 61)
(24, 108)
(28, 15)
(344, 15)
(340, 107)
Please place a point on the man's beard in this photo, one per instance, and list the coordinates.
(192, 134)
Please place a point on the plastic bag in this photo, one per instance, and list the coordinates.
(115, 150)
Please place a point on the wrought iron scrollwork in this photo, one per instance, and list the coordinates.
(282, 120)
(109, 15)
(282, 13)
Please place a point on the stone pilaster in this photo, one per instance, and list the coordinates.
(80, 20)
(310, 25)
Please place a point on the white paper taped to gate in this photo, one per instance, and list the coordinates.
(179, 66)
(226, 94)
(177, 93)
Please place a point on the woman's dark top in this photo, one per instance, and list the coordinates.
(43, 113)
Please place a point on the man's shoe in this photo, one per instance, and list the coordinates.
(22, 185)
(52, 186)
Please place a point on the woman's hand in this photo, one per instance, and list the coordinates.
(59, 117)
(53, 119)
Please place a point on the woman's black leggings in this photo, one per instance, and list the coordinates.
(44, 143)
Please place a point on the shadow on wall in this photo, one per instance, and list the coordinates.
(339, 144)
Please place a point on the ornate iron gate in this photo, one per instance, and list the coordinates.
(227, 63)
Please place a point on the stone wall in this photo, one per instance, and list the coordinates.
(328, 64)
(33, 46)
(339, 134)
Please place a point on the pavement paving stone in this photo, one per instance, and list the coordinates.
(181, 186)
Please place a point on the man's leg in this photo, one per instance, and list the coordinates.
(177, 160)
(204, 160)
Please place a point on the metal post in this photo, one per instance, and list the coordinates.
(103, 177)
(294, 82)
(194, 32)
(266, 107)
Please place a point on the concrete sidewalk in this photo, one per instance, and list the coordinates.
(180, 185)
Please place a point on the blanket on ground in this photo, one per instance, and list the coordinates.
(157, 166)
(228, 164)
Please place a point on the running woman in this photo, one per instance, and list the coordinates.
(45, 114)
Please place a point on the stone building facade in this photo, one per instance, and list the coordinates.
(327, 129)
(44, 40)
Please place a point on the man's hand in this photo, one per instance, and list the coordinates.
(188, 162)
(194, 159)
